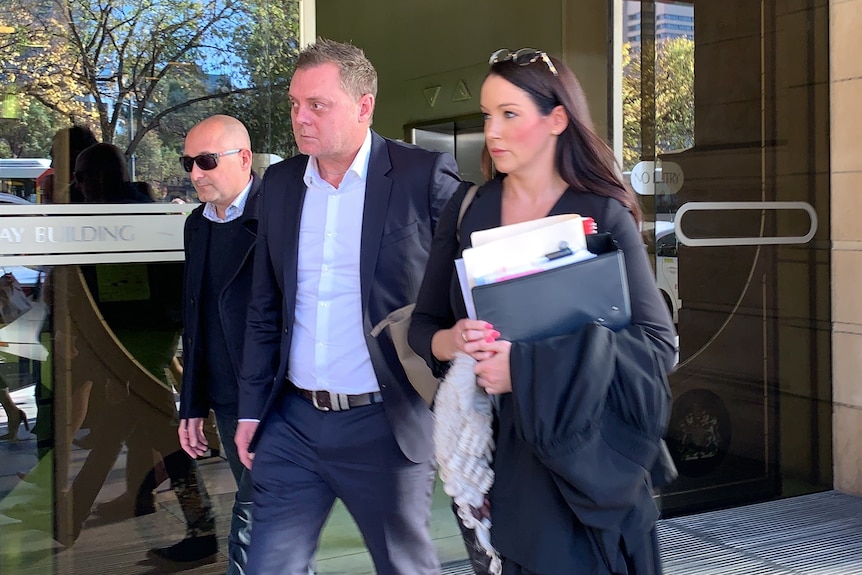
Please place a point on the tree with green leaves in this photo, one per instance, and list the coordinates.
(270, 49)
(674, 98)
(27, 130)
(134, 67)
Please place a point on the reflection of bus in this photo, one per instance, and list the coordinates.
(666, 266)
(18, 176)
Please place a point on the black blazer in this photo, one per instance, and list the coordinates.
(232, 302)
(407, 188)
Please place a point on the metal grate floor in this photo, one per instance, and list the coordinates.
(809, 534)
(818, 534)
(458, 568)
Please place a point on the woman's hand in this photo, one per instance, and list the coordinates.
(492, 372)
(466, 335)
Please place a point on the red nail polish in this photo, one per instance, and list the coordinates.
(489, 339)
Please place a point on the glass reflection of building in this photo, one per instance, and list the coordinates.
(766, 402)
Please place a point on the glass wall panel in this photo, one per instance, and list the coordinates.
(726, 137)
(91, 472)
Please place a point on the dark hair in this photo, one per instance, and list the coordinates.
(105, 176)
(585, 161)
(78, 138)
(81, 138)
(73, 140)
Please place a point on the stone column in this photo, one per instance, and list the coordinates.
(845, 78)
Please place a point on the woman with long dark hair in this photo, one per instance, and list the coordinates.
(573, 496)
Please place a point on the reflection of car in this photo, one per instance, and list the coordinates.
(666, 267)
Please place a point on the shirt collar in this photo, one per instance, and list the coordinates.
(233, 211)
(359, 166)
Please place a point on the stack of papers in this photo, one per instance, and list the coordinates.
(508, 252)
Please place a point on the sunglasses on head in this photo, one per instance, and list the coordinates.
(205, 161)
(523, 57)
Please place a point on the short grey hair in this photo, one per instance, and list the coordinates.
(358, 76)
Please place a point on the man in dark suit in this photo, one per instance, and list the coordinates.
(326, 410)
(219, 247)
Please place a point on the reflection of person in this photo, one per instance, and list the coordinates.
(13, 304)
(584, 517)
(219, 243)
(15, 416)
(65, 147)
(101, 176)
(141, 304)
(72, 140)
(344, 233)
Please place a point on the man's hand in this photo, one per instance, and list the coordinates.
(192, 437)
(244, 432)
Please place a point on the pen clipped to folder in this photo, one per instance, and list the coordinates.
(517, 246)
(560, 257)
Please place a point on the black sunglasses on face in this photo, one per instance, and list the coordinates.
(205, 161)
(523, 57)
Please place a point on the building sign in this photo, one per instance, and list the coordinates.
(87, 234)
(657, 178)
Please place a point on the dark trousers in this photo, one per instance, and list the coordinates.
(306, 458)
(239, 538)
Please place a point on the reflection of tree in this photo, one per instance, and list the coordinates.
(160, 64)
(266, 111)
(28, 132)
(674, 98)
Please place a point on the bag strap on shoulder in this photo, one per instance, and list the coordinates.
(465, 203)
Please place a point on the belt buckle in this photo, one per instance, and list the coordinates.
(316, 404)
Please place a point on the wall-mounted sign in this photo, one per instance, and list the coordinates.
(431, 94)
(84, 234)
(649, 179)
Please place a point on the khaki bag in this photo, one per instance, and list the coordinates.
(398, 324)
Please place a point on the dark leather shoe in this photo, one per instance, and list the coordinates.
(188, 550)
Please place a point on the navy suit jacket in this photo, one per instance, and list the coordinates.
(232, 301)
(406, 190)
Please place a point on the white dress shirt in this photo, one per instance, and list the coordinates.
(328, 350)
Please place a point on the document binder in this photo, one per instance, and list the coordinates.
(560, 300)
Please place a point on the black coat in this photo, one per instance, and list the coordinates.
(232, 301)
(583, 431)
(562, 498)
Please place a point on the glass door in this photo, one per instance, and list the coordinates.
(726, 139)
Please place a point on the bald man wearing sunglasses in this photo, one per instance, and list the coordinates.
(219, 244)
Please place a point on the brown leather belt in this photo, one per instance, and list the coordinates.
(326, 401)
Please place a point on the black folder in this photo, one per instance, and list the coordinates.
(560, 300)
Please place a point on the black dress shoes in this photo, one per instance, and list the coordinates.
(190, 549)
